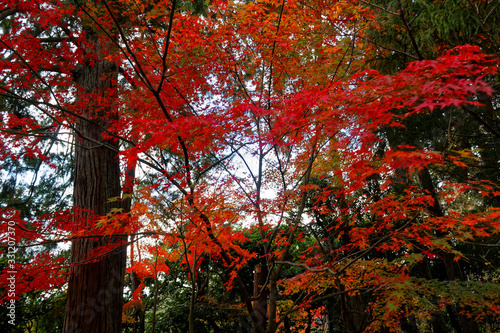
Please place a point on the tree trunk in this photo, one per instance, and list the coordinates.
(353, 311)
(273, 302)
(438, 320)
(352, 308)
(95, 291)
(260, 303)
(452, 267)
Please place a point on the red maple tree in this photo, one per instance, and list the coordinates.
(246, 119)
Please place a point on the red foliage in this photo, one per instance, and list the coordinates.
(233, 114)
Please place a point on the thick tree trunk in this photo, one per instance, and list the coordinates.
(260, 298)
(353, 312)
(95, 289)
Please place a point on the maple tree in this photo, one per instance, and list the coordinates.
(248, 148)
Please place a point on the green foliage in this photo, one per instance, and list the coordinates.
(423, 29)
(36, 312)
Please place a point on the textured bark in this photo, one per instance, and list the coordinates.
(273, 302)
(260, 298)
(95, 291)
(353, 312)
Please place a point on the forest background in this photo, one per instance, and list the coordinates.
(250, 166)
